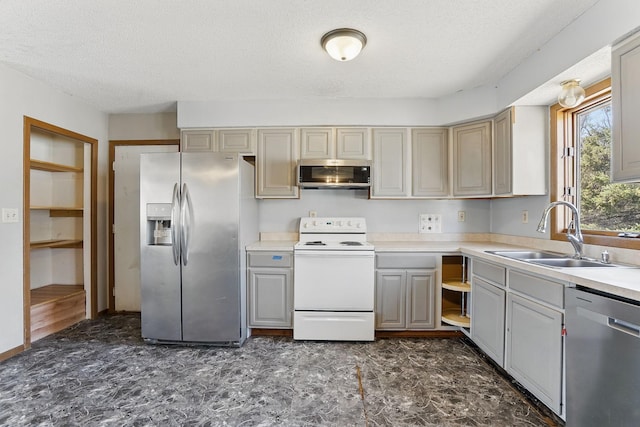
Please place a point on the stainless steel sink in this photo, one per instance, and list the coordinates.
(528, 255)
(570, 262)
(552, 259)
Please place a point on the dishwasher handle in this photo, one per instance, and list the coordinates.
(617, 324)
(622, 326)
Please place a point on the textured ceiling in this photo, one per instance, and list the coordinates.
(143, 55)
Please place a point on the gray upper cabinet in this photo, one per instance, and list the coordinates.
(429, 162)
(224, 140)
(625, 96)
(390, 162)
(317, 143)
(353, 143)
(472, 159)
(237, 141)
(198, 140)
(503, 167)
(338, 143)
(276, 163)
(519, 151)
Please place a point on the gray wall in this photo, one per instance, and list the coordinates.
(24, 96)
(383, 216)
(143, 126)
(506, 215)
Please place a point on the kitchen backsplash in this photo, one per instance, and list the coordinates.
(383, 216)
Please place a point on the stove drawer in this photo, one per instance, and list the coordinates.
(333, 326)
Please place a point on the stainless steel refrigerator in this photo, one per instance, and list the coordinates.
(197, 213)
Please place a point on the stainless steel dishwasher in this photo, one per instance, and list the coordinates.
(603, 359)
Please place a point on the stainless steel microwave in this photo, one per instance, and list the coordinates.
(334, 173)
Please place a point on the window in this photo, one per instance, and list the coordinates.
(581, 143)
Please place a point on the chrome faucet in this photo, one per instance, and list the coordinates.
(574, 238)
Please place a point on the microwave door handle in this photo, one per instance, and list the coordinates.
(175, 224)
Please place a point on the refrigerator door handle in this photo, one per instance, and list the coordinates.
(186, 222)
(175, 223)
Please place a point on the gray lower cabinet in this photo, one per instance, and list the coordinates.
(405, 295)
(487, 320)
(488, 287)
(517, 320)
(270, 292)
(533, 353)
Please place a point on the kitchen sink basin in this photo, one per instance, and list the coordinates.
(552, 259)
(570, 262)
(528, 255)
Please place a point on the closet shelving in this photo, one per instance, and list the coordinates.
(60, 187)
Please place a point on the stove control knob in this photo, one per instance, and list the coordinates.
(359, 225)
(339, 223)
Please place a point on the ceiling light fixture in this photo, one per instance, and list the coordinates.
(343, 44)
(572, 94)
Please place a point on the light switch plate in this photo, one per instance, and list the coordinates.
(10, 215)
(430, 223)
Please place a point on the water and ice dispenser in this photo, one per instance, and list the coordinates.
(159, 224)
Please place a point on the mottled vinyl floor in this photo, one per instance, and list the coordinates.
(100, 373)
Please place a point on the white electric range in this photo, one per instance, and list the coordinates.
(333, 281)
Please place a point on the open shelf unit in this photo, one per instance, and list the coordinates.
(60, 228)
(53, 167)
(456, 291)
(42, 244)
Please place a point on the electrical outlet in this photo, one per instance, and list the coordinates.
(313, 214)
(430, 223)
(525, 217)
(9, 215)
(462, 216)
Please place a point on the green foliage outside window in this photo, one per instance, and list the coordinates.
(603, 205)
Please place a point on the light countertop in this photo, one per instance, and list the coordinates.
(272, 245)
(623, 282)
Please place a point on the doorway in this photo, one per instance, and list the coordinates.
(124, 215)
